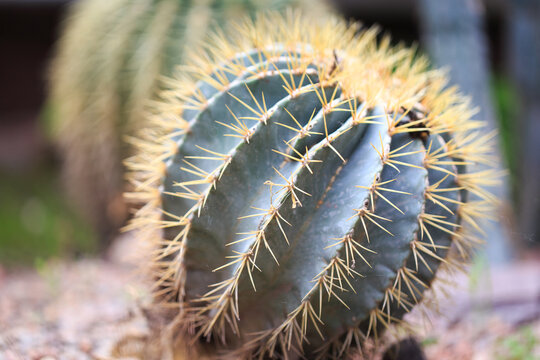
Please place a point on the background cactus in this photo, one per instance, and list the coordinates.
(106, 70)
(304, 193)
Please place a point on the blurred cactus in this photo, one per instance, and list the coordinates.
(304, 194)
(106, 71)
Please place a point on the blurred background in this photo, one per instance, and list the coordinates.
(491, 49)
(491, 46)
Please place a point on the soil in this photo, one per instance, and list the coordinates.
(88, 309)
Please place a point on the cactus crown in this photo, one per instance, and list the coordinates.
(303, 184)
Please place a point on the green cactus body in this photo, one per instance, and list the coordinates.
(105, 74)
(309, 187)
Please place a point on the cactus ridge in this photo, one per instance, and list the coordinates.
(308, 188)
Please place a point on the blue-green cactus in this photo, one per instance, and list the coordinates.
(304, 193)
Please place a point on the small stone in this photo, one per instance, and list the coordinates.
(85, 346)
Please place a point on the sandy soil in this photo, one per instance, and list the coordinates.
(83, 309)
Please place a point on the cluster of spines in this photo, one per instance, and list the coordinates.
(461, 150)
(157, 148)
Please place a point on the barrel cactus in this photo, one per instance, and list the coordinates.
(106, 71)
(304, 187)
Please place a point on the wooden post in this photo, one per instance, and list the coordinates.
(523, 49)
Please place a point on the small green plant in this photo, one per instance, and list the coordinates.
(304, 189)
(520, 346)
(46, 270)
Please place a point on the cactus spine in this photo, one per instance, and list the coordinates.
(304, 193)
(105, 73)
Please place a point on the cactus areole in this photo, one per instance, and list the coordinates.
(304, 185)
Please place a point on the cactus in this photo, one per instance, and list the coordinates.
(106, 71)
(306, 192)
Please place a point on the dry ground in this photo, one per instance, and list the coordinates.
(80, 310)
